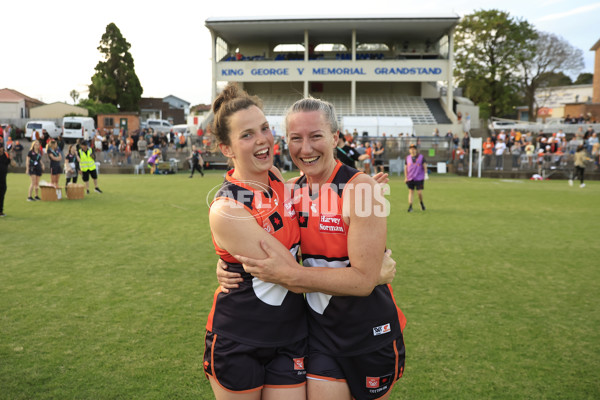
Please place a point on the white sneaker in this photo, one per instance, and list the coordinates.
(582, 185)
(570, 182)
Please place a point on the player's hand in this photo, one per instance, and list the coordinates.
(388, 269)
(381, 177)
(272, 269)
(227, 280)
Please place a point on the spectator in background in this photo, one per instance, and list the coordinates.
(18, 151)
(592, 141)
(500, 148)
(466, 141)
(515, 152)
(60, 143)
(580, 159)
(105, 147)
(113, 149)
(459, 156)
(55, 162)
(87, 163)
(128, 148)
(142, 146)
(368, 161)
(488, 152)
(196, 161)
(467, 123)
(71, 165)
(530, 152)
(415, 172)
(345, 153)
(276, 153)
(122, 148)
(35, 168)
(5, 161)
(378, 157)
(98, 143)
(164, 147)
(455, 141)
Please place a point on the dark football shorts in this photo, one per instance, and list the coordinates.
(369, 376)
(85, 175)
(412, 185)
(239, 367)
(35, 171)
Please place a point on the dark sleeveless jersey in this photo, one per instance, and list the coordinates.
(260, 313)
(340, 325)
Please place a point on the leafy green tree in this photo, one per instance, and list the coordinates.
(549, 54)
(551, 79)
(74, 95)
(94, 107)
(585, 78)
(115, 80)
(489, 46)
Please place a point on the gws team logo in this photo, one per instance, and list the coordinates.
(303, 219)
(382, 329)
(299, 364)
(276, 221)
(377, 384)
(252, 195)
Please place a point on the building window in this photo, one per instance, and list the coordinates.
(109, 122)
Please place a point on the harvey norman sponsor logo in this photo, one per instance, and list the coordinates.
(331, 224)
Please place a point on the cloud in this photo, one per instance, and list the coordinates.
(575, 11)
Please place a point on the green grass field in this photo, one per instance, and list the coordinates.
(107, 297)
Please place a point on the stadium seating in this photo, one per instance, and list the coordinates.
(414, 107)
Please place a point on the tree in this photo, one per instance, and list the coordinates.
(489, 45)
(94, 107)
(115, 80)
(74, 95)
(585, 78)
(548, 54)
(550, 79)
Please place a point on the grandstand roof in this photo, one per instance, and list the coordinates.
(333, 29)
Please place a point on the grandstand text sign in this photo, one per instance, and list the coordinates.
(405, 70)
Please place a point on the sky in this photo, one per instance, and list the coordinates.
(49, 48)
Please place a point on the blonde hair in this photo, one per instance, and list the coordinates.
(33, 144)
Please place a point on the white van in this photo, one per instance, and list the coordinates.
(74, 127)
(159, 125)
(49, 126)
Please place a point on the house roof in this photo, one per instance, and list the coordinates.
(178, 98)
(12, 96)
(595, 46)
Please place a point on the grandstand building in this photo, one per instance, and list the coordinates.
(383, 74)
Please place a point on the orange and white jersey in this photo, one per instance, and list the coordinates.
(260, 313)
(340, 325)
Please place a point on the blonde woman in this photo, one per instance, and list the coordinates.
(35, 168)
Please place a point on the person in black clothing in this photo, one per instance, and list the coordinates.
(34, 169)
(346, 154)
(196, 161)
(18, 149)
(71, 164)
(5, 161)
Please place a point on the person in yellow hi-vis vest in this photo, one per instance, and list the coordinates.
(87, 164)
